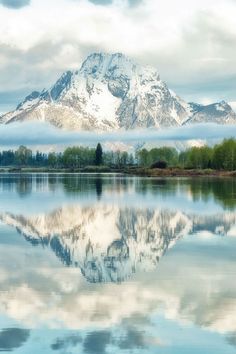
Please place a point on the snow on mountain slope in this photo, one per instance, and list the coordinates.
(111, 92)
(233, 105)
(108, 92)
(132, 239)
(221, 113)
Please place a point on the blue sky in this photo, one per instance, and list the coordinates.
(191, 43)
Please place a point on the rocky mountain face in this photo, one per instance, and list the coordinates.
(132, 239)
(220, 113)
(111, 92)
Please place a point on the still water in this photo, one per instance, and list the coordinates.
(100, 264)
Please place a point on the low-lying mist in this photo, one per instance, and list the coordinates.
(45, 135)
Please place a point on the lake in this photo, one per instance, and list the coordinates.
(100, 264)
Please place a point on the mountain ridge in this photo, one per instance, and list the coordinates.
(111, 92)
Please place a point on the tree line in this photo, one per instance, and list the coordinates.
(73, 157)
(221, 157)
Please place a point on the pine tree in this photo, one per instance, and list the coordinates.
(98, 155)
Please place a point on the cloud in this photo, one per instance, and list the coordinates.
(133, 339)
(101, 2)
(135, 2)
(15, 4)
(109, 2)
(190, 43)
(231, 339)
(66, 342)
(15, 134)
(96, 342)
(13, 338)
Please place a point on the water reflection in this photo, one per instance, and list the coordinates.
(222, 191)
(187, 293)
(109, 243)
(117, 265)
(98, 184)
(12, 338)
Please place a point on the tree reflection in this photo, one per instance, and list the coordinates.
(98, 184)
(221, 190)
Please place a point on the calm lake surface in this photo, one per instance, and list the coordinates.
(101, 264)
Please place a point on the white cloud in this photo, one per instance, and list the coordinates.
(192, 44)
(44, 134)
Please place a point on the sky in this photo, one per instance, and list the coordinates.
(191, 43)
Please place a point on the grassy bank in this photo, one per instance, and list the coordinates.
(178, 172)
(132, 171)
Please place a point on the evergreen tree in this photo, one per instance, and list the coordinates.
(98, 155)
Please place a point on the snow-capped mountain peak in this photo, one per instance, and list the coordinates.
(111, 92)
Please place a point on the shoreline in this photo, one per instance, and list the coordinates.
(134, 171)
(178, 172)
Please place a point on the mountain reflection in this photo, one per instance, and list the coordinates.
(114, 264)
(109, 243)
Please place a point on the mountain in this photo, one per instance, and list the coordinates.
(111, 92)
(132, 239)
(221, 113)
